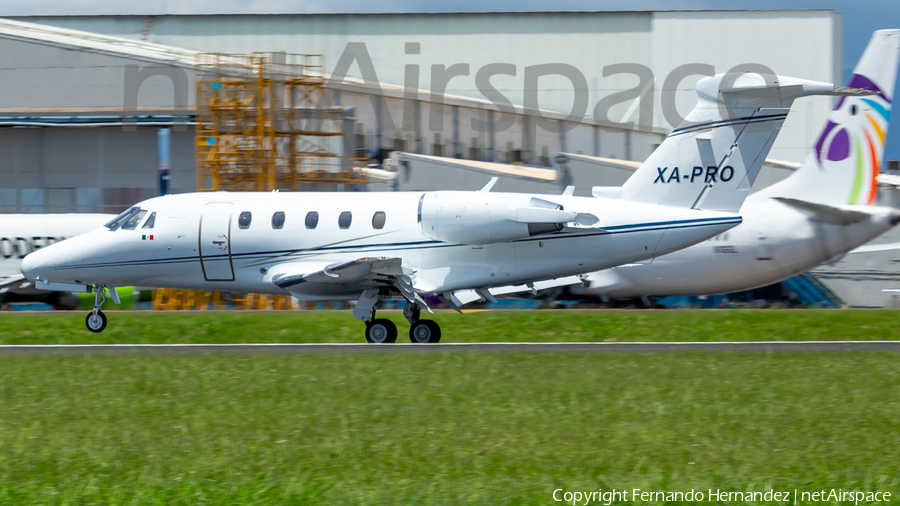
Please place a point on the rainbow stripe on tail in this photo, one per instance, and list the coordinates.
(843, 165)
(857, 128)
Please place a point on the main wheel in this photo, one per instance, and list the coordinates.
(381, 330)
(95, 322)
(425, 331)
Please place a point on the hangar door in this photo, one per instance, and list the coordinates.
(215, 241)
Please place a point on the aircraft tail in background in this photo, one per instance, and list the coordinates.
(843, 165)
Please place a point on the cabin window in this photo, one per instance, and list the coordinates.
(133, 222)
(244, 219)
(118, 220)
(312, 219)
(150, 221)
(278, 220)
(345, 219)
(378, 220)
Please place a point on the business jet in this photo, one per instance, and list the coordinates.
(21, 234)
(817, 215)
(454, 244)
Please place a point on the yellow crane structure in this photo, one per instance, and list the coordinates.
(265, 122)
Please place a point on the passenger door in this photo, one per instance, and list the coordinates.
(215, 241)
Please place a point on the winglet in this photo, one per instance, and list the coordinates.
(490, 184)
(569, 191)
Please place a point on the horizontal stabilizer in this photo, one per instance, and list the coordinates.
(825, 213)
(889, 180)
(873, 248)
(843, 91)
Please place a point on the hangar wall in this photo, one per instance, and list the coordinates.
(77, 83)
(588, 41)
(87, 170)
(82, 112)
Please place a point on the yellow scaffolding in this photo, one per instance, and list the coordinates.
(264, 122)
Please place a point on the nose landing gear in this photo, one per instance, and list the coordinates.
(96, 320)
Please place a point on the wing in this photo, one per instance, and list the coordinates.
(367, 275)
(363, 271)
(462, 297)
(12, 282)
(871, 248)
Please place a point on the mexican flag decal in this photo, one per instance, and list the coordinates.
(145, 237)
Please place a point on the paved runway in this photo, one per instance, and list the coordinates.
(313, 348)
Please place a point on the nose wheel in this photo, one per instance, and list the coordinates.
(96, 320)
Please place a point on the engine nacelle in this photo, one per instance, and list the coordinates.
(484, 218)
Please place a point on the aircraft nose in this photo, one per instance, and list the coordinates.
(32, 265)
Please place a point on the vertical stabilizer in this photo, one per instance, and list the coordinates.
(711, 161)
(841, 168)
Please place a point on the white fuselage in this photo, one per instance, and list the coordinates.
(21, 234)
(199, 242)
(775, 241)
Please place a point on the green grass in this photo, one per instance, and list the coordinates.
(490, 326)
(440, 429)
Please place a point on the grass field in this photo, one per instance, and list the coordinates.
(486, 326)
(440, 429)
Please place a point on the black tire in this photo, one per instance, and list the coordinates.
(425, 331)
(95, 328)
(381, 331)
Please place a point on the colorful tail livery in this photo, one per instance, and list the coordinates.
(843, 165)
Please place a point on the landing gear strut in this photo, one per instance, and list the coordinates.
(378, 330)
(96, 320)
(421, 331)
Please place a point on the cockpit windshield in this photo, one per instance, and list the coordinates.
(117, 222)
(134, 221)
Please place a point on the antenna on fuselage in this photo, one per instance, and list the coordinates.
(490, 184)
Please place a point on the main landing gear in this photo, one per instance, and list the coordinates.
(382, 330)
(420, 331)
(96, 320)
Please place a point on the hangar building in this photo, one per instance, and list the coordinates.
(85, 96)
